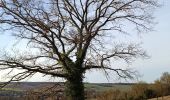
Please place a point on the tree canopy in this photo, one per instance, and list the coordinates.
(71, 36)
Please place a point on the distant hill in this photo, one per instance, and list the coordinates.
(42, 89)
(24, 86)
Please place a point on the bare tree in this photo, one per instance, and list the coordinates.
(71, 37)
(165, 78)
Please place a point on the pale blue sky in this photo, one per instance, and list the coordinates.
(156, 43)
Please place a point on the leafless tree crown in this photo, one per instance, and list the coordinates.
(71, 35)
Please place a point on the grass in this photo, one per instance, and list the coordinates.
(105, 87)
(160, 98)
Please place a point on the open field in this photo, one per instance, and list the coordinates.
(92, 90)
(108, 86)
(22, 89)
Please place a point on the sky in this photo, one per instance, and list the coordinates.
(156, 43)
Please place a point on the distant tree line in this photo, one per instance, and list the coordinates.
(141, 90)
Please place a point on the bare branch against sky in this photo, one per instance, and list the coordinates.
(71, 36)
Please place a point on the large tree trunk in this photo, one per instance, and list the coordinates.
(74, 89)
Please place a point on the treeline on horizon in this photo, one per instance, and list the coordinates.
(141, 90)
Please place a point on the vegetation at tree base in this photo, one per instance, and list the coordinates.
(66, 38)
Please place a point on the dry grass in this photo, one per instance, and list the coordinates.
(160, 98)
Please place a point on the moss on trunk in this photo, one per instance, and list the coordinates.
(74, 89)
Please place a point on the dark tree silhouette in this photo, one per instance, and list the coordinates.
(70, 37)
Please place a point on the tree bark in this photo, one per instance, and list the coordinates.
(74, 89)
